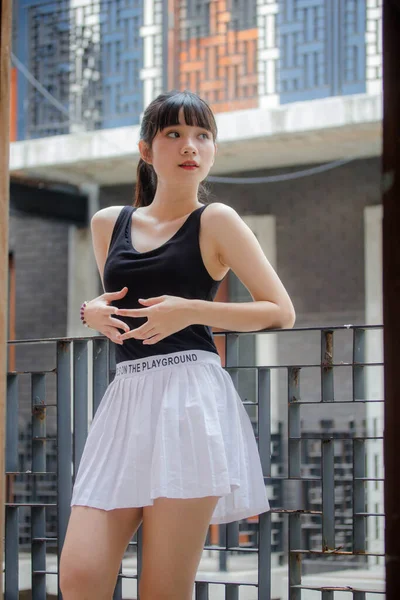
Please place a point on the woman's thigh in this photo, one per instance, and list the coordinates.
(94, 546)
(174, 532)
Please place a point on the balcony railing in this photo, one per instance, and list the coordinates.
(330, 519)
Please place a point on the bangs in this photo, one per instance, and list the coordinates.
(195, 111)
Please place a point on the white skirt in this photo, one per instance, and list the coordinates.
(172, 426)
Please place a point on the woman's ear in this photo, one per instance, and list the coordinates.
(145, 152)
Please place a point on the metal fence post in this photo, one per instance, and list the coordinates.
(11, 512)
(328, 446)
(229, 532)
(264, 447)
(64, 446)
(38, 513)
(294, 466)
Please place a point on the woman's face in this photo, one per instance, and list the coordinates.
(177, 144)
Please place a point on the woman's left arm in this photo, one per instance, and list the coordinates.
(239, 249)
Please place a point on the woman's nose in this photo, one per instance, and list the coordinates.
(189, 148)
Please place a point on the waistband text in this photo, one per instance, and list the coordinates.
(147, 364)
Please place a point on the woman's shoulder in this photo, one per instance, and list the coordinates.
(219, 214)
(103, 222)
(105, 218)
(109, 213)
(220, 211)
(219, 208)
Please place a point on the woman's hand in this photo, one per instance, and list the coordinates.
(98, 315)
(165, 315)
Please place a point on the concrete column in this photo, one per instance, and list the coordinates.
(83, 276)
(264, 228)
(374, 375)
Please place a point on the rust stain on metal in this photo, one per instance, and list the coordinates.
(39, 411)
(296, 372)
(64, 346)
(328, 354)
(295, 378)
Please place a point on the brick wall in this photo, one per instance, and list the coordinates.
(40, 248)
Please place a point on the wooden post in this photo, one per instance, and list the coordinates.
(391, 288)
(5, 43)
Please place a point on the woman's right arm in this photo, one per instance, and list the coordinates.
(98, 313)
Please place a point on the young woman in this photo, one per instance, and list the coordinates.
(171, 444)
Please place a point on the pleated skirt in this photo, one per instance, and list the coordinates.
(172, 426)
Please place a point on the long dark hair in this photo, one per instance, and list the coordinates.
(162, 112)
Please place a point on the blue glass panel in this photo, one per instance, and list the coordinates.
(322, 48)
(88, 56)
(352, 41)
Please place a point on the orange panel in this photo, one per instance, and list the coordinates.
(221, 50)
(224, 17)
(235, 59)
(193, 49)
(213, 18)
(236, 105)
(214, 534)
(192, 66)
(250, 57)
(247, 34)
(212, 63)
(231, 82)
(214, 40)
(253, 519)
(231, 45)
(209, 86)
(193, 80)
(222, 65)
(248, 80)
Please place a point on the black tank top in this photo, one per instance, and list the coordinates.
(176, 268)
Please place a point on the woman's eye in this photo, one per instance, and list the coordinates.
(172, 132)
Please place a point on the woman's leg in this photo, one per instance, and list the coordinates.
(174, 533)
(94, 546)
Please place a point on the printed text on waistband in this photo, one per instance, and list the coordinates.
(142, 366)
